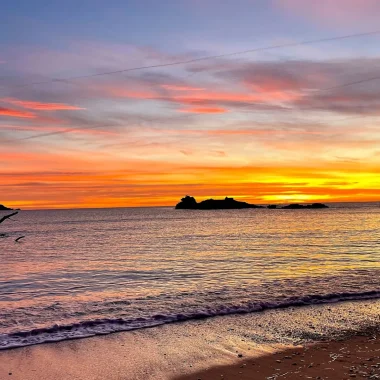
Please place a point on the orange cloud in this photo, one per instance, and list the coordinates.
(87, 190)
(16, 113)
(38, 106)
(247, 132)
(243, 131)
(204, 110)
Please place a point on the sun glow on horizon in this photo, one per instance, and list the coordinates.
(291, 198)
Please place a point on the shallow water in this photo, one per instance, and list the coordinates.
(86, 272)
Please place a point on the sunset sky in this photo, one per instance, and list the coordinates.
(286, 124)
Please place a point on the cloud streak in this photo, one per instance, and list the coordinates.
(38, 106)
(206, 110)
(9, 112)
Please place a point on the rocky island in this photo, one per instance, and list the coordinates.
(189, 203)
(3, 208)
(296, 206)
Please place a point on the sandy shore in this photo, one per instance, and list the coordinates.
(357, 357)
(258, 345)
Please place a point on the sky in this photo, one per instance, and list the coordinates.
(282, 121)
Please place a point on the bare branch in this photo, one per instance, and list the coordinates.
(7, 217)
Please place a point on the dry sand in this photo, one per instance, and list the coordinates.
(357, 357)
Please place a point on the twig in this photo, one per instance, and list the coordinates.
(7, 217)
(19, 238)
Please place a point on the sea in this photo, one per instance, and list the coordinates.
(85, 272)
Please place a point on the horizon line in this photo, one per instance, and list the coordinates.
(169, 206)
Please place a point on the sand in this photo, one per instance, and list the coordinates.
(357, 357)
(207, 349)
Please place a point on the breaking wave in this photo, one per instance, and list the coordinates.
(107, 326)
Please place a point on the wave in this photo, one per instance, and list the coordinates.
(105, 326)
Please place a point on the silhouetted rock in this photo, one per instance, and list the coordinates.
(296, 206)
(318, 205)
(3, 208)
(190, 203)
(187, 203)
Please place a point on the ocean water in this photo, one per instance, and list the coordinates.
(80, 273)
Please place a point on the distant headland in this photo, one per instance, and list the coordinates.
(3, 208)
(212, 204)
(189, 203)
(296, 206)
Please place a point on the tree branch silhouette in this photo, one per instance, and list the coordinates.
(7, 217)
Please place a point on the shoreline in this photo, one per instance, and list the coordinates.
(93, 328)
(194, 348)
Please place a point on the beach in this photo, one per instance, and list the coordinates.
(335, 341)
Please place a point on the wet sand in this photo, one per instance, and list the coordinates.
(207, 349)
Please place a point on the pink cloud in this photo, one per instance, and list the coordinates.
(16, 113)
(201, 100)
(260, 95)
(38, 106)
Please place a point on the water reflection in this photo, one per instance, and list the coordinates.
(74, 262)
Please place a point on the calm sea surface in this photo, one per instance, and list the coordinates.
(86, 272)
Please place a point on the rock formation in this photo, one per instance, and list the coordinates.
(3, 208)
(296, 206)
(190, 203)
